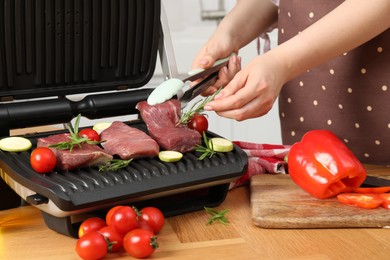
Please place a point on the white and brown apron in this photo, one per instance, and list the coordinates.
(349, 95)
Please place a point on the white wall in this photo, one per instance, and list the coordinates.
(189, 33)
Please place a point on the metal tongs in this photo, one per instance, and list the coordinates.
(197, 89)
(173, 86)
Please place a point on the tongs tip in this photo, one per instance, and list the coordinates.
(165, 91)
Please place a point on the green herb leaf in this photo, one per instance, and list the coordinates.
(196, 108)
(74, 138)
(207, 150)
(217, 216)
(114, 165)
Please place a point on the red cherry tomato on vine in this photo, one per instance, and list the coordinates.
(113, 236)
(143, 225)
(91, 134)
(110, 213)
(152, 217)
(92, 246)
(91, 224)
(43, 159)
(199, 123)
(122, 219)
(140, 243)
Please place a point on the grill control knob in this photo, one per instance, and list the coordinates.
(37, 199)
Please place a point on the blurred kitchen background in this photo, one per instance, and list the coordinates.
(191, 22)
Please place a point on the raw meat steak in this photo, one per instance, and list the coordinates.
(84, 156)
(162, 120)
(128, 142)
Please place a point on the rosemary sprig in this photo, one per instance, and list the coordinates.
(74, 138)
(207, 150)
(114, 165)
(196, 108)
(217, 215)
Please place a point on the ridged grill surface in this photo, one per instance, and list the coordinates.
(62, 43)
(140, 170)
(86, 186)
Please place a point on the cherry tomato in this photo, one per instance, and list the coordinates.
(122, 219)
(199, 123)
(143, 225)
(152, 217)
(43, 159)
(91, 224)
(140, 243)
(375, 190)
(91, 134)
(92, 246)
(385, 200)
(113, 236)
(110, 213)
(368, 201)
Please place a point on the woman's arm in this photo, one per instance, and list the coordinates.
(246, 21)
(351, 24)
(255, 88)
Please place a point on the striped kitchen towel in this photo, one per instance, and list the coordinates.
(262, 158)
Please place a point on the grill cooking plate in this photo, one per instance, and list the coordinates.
(176, 188)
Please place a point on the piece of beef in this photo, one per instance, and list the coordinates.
(84, 156)
(162, 120)
(128, 142)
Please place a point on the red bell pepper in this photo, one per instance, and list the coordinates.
(322, 165)
(366, 201)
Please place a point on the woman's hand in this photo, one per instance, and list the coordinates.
(208, 55)
(225, 75)
(252, 92)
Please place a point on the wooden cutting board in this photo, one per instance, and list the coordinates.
(277, 202)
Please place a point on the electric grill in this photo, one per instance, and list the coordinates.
(52, 49)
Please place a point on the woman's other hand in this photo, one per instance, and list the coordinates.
(252, 92)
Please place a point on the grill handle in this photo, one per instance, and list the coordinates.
(62, 110)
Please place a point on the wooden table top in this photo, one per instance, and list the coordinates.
(24, 235)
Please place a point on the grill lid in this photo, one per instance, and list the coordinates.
(62, 47)
(55, 48)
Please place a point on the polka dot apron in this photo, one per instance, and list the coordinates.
(349, 95)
